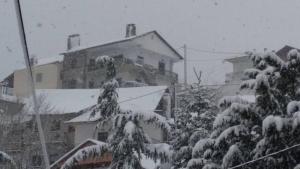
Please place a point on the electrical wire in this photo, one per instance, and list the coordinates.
(263, 157)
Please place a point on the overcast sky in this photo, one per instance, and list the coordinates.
(215, 25)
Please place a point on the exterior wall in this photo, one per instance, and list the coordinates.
(83, 131)
(86, 130)
(234, 79)
(50, 79)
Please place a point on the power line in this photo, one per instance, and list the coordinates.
(216, 52)
(263, 157)
(134, 98)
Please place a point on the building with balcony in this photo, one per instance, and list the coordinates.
(240, 64)
(141, 59)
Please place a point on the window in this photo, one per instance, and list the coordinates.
(71, 129)
(72, 84)
(73, 63)
(91, 84)
(92, 64)
(39, 77)
(55, 125)
(162, 67)
(102, 136)
(36, 160)
(140, 60)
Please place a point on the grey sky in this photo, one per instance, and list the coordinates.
(221, 25)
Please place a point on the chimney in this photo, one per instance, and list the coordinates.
(130, 30)
(73, 41)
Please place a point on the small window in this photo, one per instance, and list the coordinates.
(55, 125)
(39, 77)
(36, 160)
(162, 67)
(91, 84)
(140, 60)
(71, 129)
(73, 63)
(72, 84)
(102, 136)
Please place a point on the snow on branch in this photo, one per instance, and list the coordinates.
(148, 117)
(226, 101)
(86, 153)
(292, 107)
(234, 155)
(229, 133)
(201, 146)
(4, 158)
(196, 163)
(161, 151)
(272, 122)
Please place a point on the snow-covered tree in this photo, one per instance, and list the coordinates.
(127, 142)
(192, 122)
(5, 158)
(276, 86)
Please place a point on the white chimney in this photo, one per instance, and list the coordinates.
(73, 41)
(130, 30)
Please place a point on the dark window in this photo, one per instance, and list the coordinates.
(71, 129)
(72, 84)
(162, 67)
(92, 64)
(39, 77)
(91, 84)
(102, 136)
(55, 125)
(140, 60)
(73, 63)
(36, 160)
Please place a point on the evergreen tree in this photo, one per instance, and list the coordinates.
(5, 158)
(245, 131)
(276, 85)
(192, 122)
(127, 142)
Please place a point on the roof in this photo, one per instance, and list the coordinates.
(74, 100)
(146, 162)
(282, 53)
(79, 48)
(87, 142)
(49, 60)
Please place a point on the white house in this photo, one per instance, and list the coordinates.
(146, 58)
(140, 99)
(240, 64)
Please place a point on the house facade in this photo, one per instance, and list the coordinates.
(46, 74)
(145, 58)
(234, 79)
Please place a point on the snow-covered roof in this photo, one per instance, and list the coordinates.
(48, 60)
(146, 162)
(71, 152)
(125, 40)
(73, 100)
(249, 98)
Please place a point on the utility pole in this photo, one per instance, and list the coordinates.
(185, 65)
(31, 82)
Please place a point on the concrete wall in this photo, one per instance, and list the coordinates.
(50, 79)
(148, 47)
(86, 130)
(234, 79)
